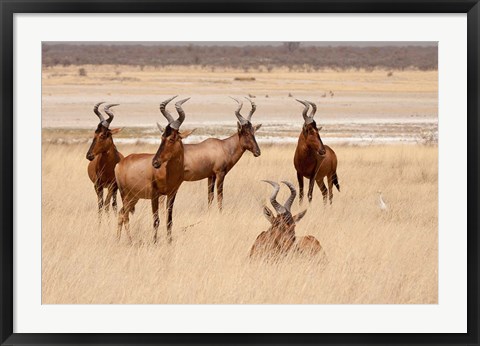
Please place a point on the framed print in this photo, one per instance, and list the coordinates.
(239, 173)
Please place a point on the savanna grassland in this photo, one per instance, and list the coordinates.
(373, 256)
(365, 96)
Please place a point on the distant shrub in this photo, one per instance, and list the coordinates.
(291, 55)
(82, 72)
(245, 79)
(291, 46)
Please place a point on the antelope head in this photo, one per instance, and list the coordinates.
(171, 143)
(246, 131)
(284, 221)
(102, 138)
(310, 131)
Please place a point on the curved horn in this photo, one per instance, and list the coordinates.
(240, 118)
(254, 108)
(181, 114)
(97, 112)
(166, 113)
(293, 194)
(314, 109)
(306, 118)
(280, 209)
(106, 109)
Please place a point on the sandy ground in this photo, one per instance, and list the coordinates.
(68, 98)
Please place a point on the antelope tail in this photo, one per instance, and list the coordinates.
(335, 181)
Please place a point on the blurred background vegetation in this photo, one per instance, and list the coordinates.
(266, 57)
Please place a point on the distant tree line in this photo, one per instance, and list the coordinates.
(290, 54)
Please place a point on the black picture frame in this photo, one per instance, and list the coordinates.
(9, 7)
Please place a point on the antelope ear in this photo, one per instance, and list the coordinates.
(256, 127)
(187, 133)
(299, 216)
(115, 131)
(268, 214)
(160, 128)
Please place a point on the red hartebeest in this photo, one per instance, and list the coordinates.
(148, 176)
(103, 157)
(280, 238)
(313, 160)
(214, 158)
(308, 245)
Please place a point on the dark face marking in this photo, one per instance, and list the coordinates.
(312, 138)
(283, 221)
(247, 138)
(170, 138)
(283, 228)
(102, 141)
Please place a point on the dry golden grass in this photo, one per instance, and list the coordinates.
(374, 256)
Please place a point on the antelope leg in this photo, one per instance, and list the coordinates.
(170, 202)
(300, 187)
(127, 226)
(323, 188)
(220, 179)
(123, 219)
(156, 219)
(120, 223)
(114, 199)
(99, 191)
(161, 202)
(111, 190)
(319, 161)
(211, 187)
(330, 188)
(311, 184)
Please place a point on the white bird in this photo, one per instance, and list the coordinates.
(381, 203)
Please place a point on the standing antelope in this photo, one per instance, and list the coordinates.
(280, 238)
(103, 157)
(147, 176)
(313, 160)
(214, 158)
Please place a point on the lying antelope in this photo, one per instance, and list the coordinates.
(148, 176)
(214, 158)
(103, 157)
(313, 160)
(280, 238)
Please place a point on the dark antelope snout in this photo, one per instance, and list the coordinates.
(90, 156)
(156, 163)
(256, 153)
